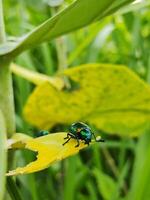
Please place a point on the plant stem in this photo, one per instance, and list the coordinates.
(61, 52)
(35, 77)
(3, 155)
(60, 46)
(6, 91)
(2, 27)
(6, 98)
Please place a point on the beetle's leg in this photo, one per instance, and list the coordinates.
(67, 141)
(69, 134)
(78, 143)
(86, 142)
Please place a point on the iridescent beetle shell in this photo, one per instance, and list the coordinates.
(80, 131)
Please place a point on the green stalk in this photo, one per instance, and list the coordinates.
(6, 98)
(61, 49)
(3, 155)
(6, 91)
(60, 46)
(61, 53)
(7, 119)
(2, 27)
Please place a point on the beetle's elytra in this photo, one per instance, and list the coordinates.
(80, 131)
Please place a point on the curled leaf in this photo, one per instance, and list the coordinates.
(50, 150)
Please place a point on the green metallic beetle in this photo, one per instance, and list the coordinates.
(80, 131)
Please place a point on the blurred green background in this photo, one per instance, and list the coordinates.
(116, 170)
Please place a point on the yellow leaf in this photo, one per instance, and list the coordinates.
(50, 150)
(17, 141)
(111, 97)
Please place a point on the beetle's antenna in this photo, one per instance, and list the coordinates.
(94, 136)
(98, 140)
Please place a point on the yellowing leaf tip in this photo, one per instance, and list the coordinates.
(50, 150)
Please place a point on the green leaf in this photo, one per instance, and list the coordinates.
(106, 184)
(110, 97)
(3, 155)
(133, 7)
(77, 15)
(140, 181)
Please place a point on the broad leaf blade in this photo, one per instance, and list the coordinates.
(111, 97)
(77, 15)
